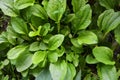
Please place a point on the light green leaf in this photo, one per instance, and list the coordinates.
(19, 25)
(44, 75)
(107, 72)
(52, 56)
(39, 11)
(43, 46)
(117, 34)
(58, 70)
(87, 37)
(45, 29)
(8, 8)
(21, 4)
(78, 76)
(108, 4)
(24, 62)
(34, 46)
(61, 51)
(108, 20)
(38, 57)
(77, 4)
(15, 52)
(55, 9)
(91, 60)
(69, 18)
(82, 18)
(71, 72)
(103, 55)
(75, 43)
(55, 41)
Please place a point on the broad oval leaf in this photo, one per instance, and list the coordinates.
(82, 18)
(21, 4)
(16, 51)
(24, 62)
(38, 57)
(107, 72)
(39, 11)
(8, 8)
(77, 4)
(44, 75)
(91, 60)
(19, 25)
(87, 37)
(34, 46)
(71, 72)
(108, 4)
(108, 20)
(52, 56)
(103, 55)
(58, 70)
(55, 41)
(55, 9)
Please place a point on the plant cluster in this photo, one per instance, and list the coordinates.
(60, 40)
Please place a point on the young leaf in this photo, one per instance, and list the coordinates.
(108, 4)
(44, 75)
(91, 60)
(24, 62)
(19, 25)
(8, 8)
(82, 18)
(71, 72)
(103, 55)
(15, 52)
(109, 20)
(21, 4)
(55, 9)
(52, 56)
(77, 4)
(45, 29)
(107, 72)
(55, 41)
(38, 57)
(87, 37)
(39, 11)
(34, 46)
(58, 70)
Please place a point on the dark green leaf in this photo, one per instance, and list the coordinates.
(104, 55)
(117, 34)
(55, 41)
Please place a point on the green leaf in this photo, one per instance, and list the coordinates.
(19, 25)
(34, 46)
(117, 34)
(91, 60)
(107, 72)
(39, 11)
(16, 51)
(38, 57)
(75, 43)
(44, 75)
(103, 55)
(45, 29)
(77, 4)
(69, 18)
(108, 4)
(78, 76)
(55, 41)
(55, 9)
(87, 37)
(52, 56)
(71, 72)
(21, 4)
(24, 62)
(58, 70)
(8, 8)
(43, 46)
(61, 51)
(108, 20)
(82, 18)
